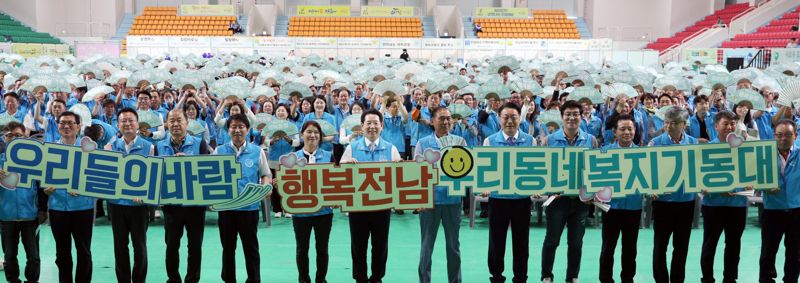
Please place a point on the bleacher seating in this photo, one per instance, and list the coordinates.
(726, 15)
(165, 21)
(354, 27)
(776, 34)
(17, 32)
(544, 24)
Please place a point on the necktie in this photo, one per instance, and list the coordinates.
(311, 158)
(372, 147)
(511, 141)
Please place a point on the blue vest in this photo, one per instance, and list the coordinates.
(440, 195)
(788, 197)
(464, 131)
(693, 129)
(558, 139)
(109, 120)
(60, 200)
(109, 133)
(680, 195)
(322, 157)
(628, 202)
(19, 204)
(422, 130)
(127, 102)
(491, 126)
(593, 127)
(497, 139)
(191, 146)
(723, 199)
(51, 133)
(248, 160)
(764, 124)
(141, 147)
(393, 128)
(361, 153)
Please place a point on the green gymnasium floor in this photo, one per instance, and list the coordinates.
(278, 263)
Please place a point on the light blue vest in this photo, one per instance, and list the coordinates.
(680, 195)
(248, 160)
(140, 147)
(60, 200)
(497, 139)
(321, 156)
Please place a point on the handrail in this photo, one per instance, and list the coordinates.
(745, 12)
(693, 35)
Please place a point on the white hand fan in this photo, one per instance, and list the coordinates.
(790, 91)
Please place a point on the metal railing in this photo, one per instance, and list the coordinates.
(761, 60)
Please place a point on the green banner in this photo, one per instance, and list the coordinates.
(363, 186)
(183, 180)
(491, 12)
(543, 170)
(323, 11)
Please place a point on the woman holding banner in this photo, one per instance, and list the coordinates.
(320, 222)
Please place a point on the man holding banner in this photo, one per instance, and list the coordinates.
(567, 211)
(244, 221)
(22, 210)
(178, 217)
(130, 218)
(509, 209)
(723, 212)
(375, 224)
(71, 215)
(446, 210)
(782, 210)
(672, 213)
(623, 217)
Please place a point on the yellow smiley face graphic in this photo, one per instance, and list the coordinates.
(456, 162)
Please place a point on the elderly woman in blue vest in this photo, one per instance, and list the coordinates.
(320, 105)
(131, 218)
(375, 224)
(178, 217)
(567, 211)
(446, 210)
(320, 222)
(623, 217)
(673, 212)
(781, 217)
(13, 108)
(701, 124)
(71, 215)
(591, 123)
(424, 128)
(244, 221)
(21, 212)
(192, 111)
(722, 212)
(48, 121)
(509, 209)
(395, 118)
(278, 146)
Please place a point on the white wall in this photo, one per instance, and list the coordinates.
(686, 12)
(448, 18)
(22, 10)
(262, 17)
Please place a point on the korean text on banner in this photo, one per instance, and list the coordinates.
(323, 11)
(387, 11)
(491, 12)
(207, 10)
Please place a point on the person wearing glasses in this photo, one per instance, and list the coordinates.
(242, 222)
(71, 215)
(509, 209)
(180, 217)
(21, 212)
(566, 211)
(130, 217)
(672, 213)
(782, 210)
(375, 224)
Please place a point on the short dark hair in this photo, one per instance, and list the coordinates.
(70, 113)
(435, 111)
(624, 117)
(789, 123)
(700, 98)
(128, 110)
(371, 112)
(12, 94)
(144, 92)
(93, 132)
(60, 101)
(314, 124)
(569, 104)
(665, 94)
(237, 117)
(730, 115)
(13, 125)
(509, 105)
(109, 101)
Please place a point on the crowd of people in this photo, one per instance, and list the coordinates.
(224, 104)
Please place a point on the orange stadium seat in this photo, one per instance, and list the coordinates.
(551, 24)
(355, 27)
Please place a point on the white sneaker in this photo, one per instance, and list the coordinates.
(157, 214)
(547, 280)
(278, 214)
(288, 215)
(2, 265)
